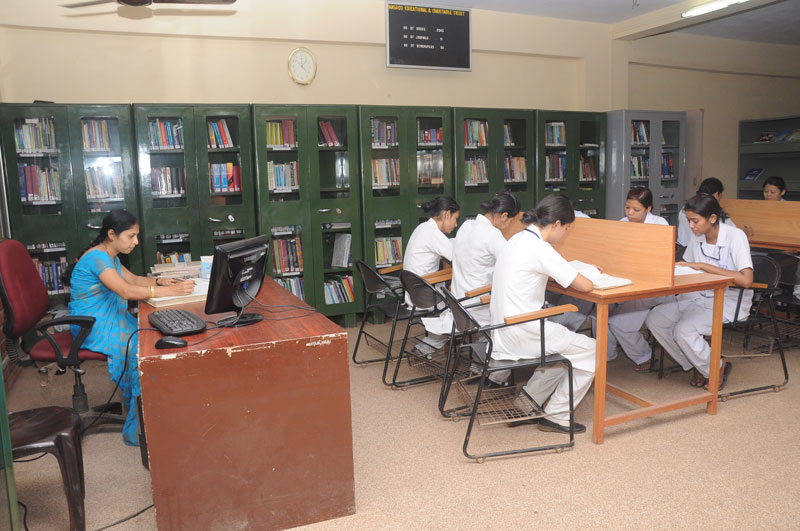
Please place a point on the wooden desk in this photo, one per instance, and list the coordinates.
(250, 429)
(646, 255)
(775, 224)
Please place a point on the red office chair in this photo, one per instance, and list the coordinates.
(25, 300)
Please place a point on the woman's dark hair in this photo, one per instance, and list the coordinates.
(554, 207)
(641, 194)
(441, 204)
(705, 205)
(502, 203)
(711, 186)
(116, 220)
(776, 181)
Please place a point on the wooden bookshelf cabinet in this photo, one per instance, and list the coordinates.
(646, 148)
(308, 190)
(406, 160)
(494, 151)
(570, 158)
(764, 145)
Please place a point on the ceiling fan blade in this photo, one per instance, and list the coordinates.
(210, 2)
(88, 3)
(193, 12)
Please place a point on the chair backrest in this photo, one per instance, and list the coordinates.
(463, 320)
(790, 268)
(766, 270)
(679, 250)
(22, 291)
(372, 280)
(421, 293)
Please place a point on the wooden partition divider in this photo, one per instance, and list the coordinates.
(643, 253)
(775, 224)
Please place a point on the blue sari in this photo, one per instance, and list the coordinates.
(112, 328)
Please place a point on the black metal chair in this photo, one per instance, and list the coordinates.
(493, 406)
(786, 300)
(761, 322)
(679, 250)
(426, 302)
(384, 297)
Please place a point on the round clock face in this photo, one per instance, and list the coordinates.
(302, 66)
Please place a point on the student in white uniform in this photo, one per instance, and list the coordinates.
(679, 325)
(774, 189)
(710, 186)
(518, 286)
(625, 319)
(429, 243)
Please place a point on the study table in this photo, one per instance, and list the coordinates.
(249, 428)
(775, 224)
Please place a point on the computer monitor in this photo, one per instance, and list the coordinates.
(237, 273)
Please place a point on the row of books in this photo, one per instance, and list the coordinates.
(429, 137)
(51, 272)
(515, 169)
(165, 134)
(588, 170)
(95, 135)
(172, 238)
(475, 171)
(327, 135)
(555, 167)
(385, 172)
(508, 135)
(784, 135)
(342, 250)
(38, 184)
(640, 132)
(293, 285)
(168, 181)
(102, 185)
(287, 255)
(555, 134)
(278, 230)
(430, 167)
(35, 135)
(227, 233)
(173, 258)
(667, 166)
(640, 166)
(282, 177)
(219, 136)
(476, 133)
(388, 250)
(387, 223)
(384, 133)
(339, 289)
(180, 270)
(281, 134)
(225, 177)
(46, 247)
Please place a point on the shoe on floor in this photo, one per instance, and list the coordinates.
(491, 384)
(527, 405)
(549, 425)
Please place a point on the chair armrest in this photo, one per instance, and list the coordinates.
(390, 269)
(486, 299)
(84, 322)
(758, 285)
(477, 291)
(540, 314)
(439, 276)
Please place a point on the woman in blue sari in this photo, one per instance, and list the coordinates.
(100, 286)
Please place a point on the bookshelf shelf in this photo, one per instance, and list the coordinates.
(646, 148)
(765, 145)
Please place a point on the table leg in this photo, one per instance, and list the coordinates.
(716, 350)
(601, 342)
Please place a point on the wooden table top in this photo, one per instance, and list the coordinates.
(294, 324)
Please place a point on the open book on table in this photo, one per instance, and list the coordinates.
(199, 294)
(600, 280)
(685, 270)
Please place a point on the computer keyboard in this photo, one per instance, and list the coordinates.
(177, 322)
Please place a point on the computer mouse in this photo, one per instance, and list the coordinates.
(170, 342)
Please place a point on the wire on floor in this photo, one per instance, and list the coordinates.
(131, 517)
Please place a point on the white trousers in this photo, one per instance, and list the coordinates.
(553, 381)
(625, 321)
(680, 326)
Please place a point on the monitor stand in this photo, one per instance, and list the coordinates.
(241, 319)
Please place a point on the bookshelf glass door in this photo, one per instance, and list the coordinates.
(640, 153)
(334, 157)
(555, 164)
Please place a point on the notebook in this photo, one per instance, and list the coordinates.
(685, 270)
(199, 294)
(599, 280)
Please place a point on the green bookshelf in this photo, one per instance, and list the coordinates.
(103, 175)
(769, 147)
(570, 158)
(494, 150)
(406, 160)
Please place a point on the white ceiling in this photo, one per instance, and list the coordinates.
(777, 23)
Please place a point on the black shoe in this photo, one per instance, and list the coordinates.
(549, 425)
(491, 384)
(525, 422)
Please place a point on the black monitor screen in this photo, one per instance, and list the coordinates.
(237, 273)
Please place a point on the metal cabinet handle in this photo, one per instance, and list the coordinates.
(324, 210)
(665, 196)
(581, 200)
(90, 226)
(215, 220)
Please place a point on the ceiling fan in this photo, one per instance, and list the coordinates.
(138, 3)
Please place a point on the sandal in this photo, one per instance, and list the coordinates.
(698, 380)
(725, 373)
(647, 366)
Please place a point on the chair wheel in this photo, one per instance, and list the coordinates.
(480, 460)
(404, 388)
(724, 398)
(455, 418)
(559, 450)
